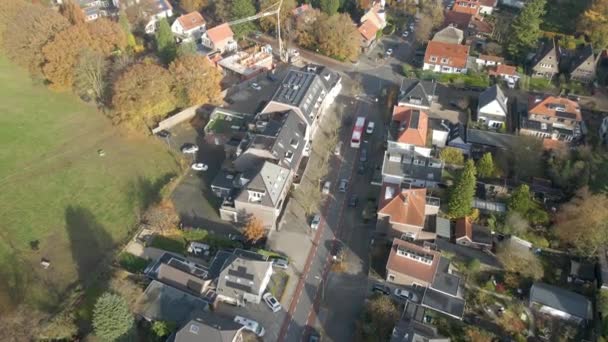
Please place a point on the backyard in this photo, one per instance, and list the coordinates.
(71, 188)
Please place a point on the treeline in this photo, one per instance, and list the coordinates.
(103, 61)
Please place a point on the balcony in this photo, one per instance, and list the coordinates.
(432, 205)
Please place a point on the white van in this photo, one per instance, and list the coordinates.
(250, 325)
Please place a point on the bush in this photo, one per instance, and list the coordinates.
(271, 254)
(132, 263)
(195, 234)
(173, 243)
(451, 155)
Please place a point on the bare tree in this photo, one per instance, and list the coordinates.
(91, 75)
(309, 197)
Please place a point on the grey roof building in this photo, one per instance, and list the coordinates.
(445, 294)
(560, 302)
(450, 35)
(161, 302)
(545, 62)
(406, 166)
(408, 330)
(492, 107)
(417, 93)
(583, 64)
(243, 280)
(210, 328)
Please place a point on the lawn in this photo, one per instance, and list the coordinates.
(61, 200)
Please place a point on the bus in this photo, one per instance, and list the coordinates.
(355, 141)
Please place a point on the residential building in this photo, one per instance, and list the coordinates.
(182, 274)
(189, 26)
(153, 11)
(583, 64)
(440, 130)
(219, 38)
(409, 130)
(403, 213)
(506, 72)
(409, 330)
(307, 92)
(368, 31)
(208, 327)
(545, 62)
(243, 280)
(469, 234)
(416, 93)
(492, 108)
(161, 302)
(376, 14)
(466, 6)
(457, 138)
(560, 303)
(224, 184)
(225, 125)
(249, 63)
(445, 294)
(489, 61)
(487, 6)
(371, 22)
(446, 57)
(582, 272)
(402, 165)
(476, 30)
(450, 35)
(411, 265)
(552, 117)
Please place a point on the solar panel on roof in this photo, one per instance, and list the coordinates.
(241, 272)
(565, 115)
(241, 287)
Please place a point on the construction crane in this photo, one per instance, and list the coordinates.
(270, 10)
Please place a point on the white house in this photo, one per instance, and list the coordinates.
(492, 108)
(243, 280)
(219, 38)
(446, 57)
(189, 26)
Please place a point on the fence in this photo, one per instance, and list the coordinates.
(180, 117)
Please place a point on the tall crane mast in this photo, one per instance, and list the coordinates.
(270, 10)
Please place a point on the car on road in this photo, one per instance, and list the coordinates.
(406, 295)
(314, 336)
(361, 169)
(389, 52)
(326, 187)
(250, 325)
(189, 148)
(381, 289)
(353, 201)
(164, 134)
(272, 302)
(199, 167)
(363, 155)
(256, 86)
(315, 222)
(405, 34)
(370, 127)
(280, 263)
(343, 185)
(412, 26)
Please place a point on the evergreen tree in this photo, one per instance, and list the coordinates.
(330, 7)
(123, 21)
(112, 318)
(242, 9)
(165, 42)
(461, 195)
(525, 29)
(485, 166)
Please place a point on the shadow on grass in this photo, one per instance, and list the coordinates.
(145, 192)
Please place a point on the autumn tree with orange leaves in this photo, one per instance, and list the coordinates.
(197, 81)
(254, 230)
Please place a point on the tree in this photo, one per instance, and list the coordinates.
(196, 81)
(461, 195)
(515, 224)
(166, 46)
(511, 323)
(517, 260)
(423, 30)
(305, 23)
(330, 7)
(242, 9)
(90, 75)
(525, 29)
(269, 24)
(30, 29)
(193, 5)
(254, 230)
(451, 155)
(583, 222)
(485, 166)
(474, 334)
(521, 201)
(379, 318)
(72, 12)
(125, 25)
(163, 328)
(594, 23)
(112, 318)
(431, 17)
(186, 48)
(222, 10)
(61, 327)
(524, 160)
(309, 197)
(142, 95)
(337, 37)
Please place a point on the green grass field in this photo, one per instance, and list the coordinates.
(59, 198)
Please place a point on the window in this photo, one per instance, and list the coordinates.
(294, 143)
(444, 61)
(391, 277)
(433, 59)
(289, 156)
(561, 120)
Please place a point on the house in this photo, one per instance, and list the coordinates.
(210, 328)
(457, 138)
(410, 330)
(307, 92)
(450, 35)
(368, 31)
(469, 234)
(183, 275)
(224, 183)
(411, 265)
(416, 93)
(545, 62)
(581, 272)
(219, 38)
(446, 57)
(445, 294)
(466, 6)
(476, 30)
(440, 129)
(489, 61)
(225, 125)
(487, 6)
(152, 10)
(560, 303)
(583, 65)
(402, 165)
(161, 302)
(403, 213)
(243, 280)
(409, 129)
(189, 26)
(376, 14)
(492, 109)
(553, 117)
(506, 72)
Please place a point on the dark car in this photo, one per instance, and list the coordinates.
(353, 201)
(361, 169)
(363, 155)
(381, 289)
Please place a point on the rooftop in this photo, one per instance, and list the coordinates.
(409, 330)
(247, 63)
(220, 33)
(416, 92)
(449, 34)
(504, 70)
(554, 297)
(368, 30)
(162, 302)
(408, 164)
(209, 328)
(270, 181)
(444, 281)
(191, 20)
(452, 55)
(474, 232)
(242, 275)
(403, 206)
(410, 125)
(439, 301)
(555, 106)
(413, 260)
(223, 121)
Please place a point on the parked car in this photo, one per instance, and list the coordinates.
(338, 148)
(370, 127)
(272, 302)
(199, 167)
(353, 201)
(389, 52)
(326, 187)
(256, 86)
(381, 289)
(189, 148)
(363, 155)
(316, 221)
(406, 295)
(343, 185)
(405, 34)
(164, 133)
(361, 168)
(280, 263)
(250, 325)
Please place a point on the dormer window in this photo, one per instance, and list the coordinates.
(433, 59)
(294, 142)
(444, 61)
(289, 156)
(255, 196)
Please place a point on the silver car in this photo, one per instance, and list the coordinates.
(316, 221)
(343, 185)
